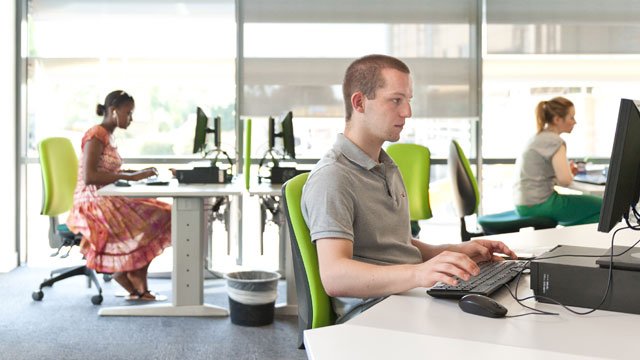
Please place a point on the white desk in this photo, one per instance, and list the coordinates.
(291, 306)
(188, 237)
(341, 341)
(415, 325)
(590, 189)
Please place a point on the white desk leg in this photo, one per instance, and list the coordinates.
(188, 234)
(235, 228)
(291, 306)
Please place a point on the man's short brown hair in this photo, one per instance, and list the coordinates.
(364, 75)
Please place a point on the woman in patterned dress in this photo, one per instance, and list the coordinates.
(120, 235)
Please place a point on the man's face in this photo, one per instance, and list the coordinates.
(385, 115)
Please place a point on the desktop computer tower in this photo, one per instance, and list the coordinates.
(280, 174)
(204, 175)
(580, 281)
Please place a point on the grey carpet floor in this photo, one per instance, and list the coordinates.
(65, 325)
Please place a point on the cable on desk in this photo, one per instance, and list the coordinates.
(608, 288)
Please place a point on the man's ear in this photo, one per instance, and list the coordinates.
(357, 101)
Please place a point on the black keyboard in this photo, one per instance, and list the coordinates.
(493, 275)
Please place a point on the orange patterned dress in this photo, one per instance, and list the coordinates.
(119, 233)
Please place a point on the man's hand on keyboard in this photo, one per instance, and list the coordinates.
(446, 267)
(485, 250)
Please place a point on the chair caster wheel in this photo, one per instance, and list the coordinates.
(96, 299)
(37, 295)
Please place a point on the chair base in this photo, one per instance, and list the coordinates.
(465, 235)
(68, 272)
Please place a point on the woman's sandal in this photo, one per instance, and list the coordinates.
(132, 296)
(145, 296)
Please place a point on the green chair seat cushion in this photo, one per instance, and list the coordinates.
(65, 233)
(510, 221)
(64, 229)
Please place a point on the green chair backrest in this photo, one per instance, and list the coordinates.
(247, 153)
(314, 305)
(59, 165)
(465, 187)
(414, 162)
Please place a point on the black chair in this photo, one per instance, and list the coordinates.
(467, 198)
(59, 166)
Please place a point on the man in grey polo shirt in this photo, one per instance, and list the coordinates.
(356, 207)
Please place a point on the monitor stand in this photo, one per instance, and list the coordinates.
(279, 173)
(627, 261)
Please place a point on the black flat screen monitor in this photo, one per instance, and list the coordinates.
(623, 180)
(272, 132)
(288, 139)
(202, 129)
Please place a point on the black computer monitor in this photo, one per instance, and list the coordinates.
(272, 132)
(623, 179)
(217, 130)
(202, 129)
(288, 139)
(272, 158)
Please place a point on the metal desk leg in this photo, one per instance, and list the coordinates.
(188, 234)
(291, 306)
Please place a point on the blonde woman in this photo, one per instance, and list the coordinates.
(544, 164)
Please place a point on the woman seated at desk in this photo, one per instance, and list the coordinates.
(120, 235)
(544, 164)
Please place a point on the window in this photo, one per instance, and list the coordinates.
(284, 39)
(175, 55)
(585, 51)
(538, 50)
(170, 56)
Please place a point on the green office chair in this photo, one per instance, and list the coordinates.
(59, 166)
(467, 198)
(314, 305)
(414, 163)
(247, 153)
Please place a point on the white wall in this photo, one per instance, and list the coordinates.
(8, 251)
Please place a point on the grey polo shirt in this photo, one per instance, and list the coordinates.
(535, 169)
(350, 196)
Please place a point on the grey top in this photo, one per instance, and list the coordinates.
(350, 196)
(536, 174)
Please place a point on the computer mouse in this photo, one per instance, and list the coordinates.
(482, 305)
(121, 183)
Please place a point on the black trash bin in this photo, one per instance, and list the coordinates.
(252, 297)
